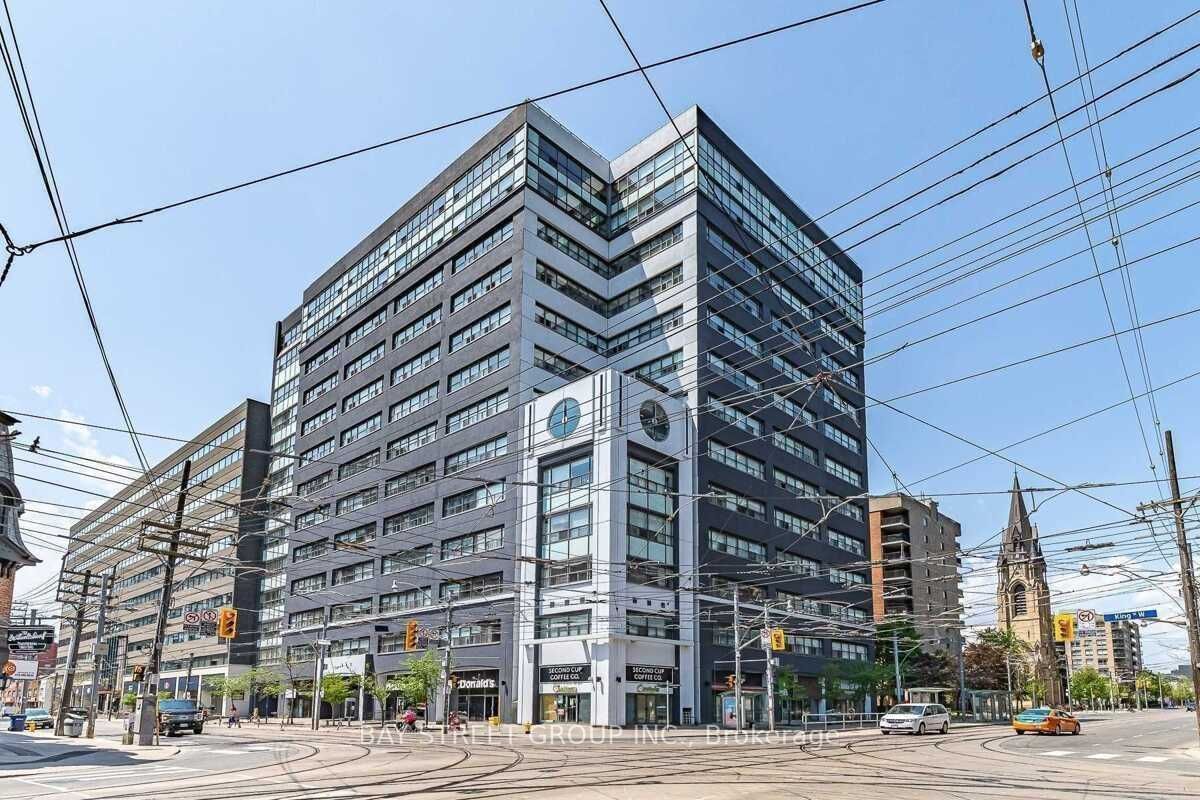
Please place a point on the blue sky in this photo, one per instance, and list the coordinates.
(144, 104)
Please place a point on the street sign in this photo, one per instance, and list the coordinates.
(21, 670)
(1121, 616)
(208, 629)
(1085, 618)
(191, 618)
(208, 615)
(30, 638)
(189, 628)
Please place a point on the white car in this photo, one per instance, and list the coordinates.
(916, 718)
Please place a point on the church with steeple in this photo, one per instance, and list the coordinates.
(1023, 595)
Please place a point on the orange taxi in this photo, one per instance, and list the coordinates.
(1046, 720)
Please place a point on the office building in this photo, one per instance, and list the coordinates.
(224, 503)
(411, 392)
(914, 569)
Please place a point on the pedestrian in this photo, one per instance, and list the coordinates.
(410, 719)
(234, 719)
(255, 718)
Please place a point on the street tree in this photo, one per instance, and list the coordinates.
(984, 665)
(419, 683)
(1088, 684)
(334, 689)
(381, 689)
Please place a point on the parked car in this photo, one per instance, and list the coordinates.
(179, 715)
(36, 718)
(1046, 720)
(915, 718)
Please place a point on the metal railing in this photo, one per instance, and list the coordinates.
(840, 721)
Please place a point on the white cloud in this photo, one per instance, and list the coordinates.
(80, 441)
(41, 390)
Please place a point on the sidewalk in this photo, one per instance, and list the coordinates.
(41, 748)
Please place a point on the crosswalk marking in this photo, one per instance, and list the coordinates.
(1103, 756)
(1059, 753)
(54, 782)
(1154, 759)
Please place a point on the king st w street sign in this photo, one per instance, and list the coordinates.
(1121, 616)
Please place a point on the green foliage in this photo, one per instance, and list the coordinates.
(129, 700)
(166, 696)
(422, 678)
(984, 667)
(1087, 684)
(381, 689)
(218, 685)
(832, 677)
(334, 689)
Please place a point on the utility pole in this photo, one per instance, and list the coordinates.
(1008, 670)
(737, 662)
(446, 663)
(73, 655)
(187, 682)
(1187, 578)
(896, 666)
(962, 682)
(318, 668)
(105, 585)
(180, 544)
(119, 676)
(770, 668)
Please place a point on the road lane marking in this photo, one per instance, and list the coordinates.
(1154, 759)
(1059, 753)
(1103, 756)
(228, 752)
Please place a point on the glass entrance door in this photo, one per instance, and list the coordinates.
(647, 709)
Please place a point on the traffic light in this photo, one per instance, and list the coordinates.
(139, 673)
(227, 623)
(778, 639)
(1064, 627)
(410, 636)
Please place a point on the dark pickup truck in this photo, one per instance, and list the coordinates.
(179, 715)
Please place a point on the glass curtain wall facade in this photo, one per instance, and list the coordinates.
(532, 261)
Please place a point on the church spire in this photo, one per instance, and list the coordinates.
(1019, 536)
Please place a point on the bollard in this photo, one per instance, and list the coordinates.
(528, 727)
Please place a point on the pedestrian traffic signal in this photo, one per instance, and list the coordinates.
(778, 639)
(410, 636)
(139, 673)
(227, 623)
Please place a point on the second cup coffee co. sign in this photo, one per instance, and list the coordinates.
(566, 673)
(649, 673)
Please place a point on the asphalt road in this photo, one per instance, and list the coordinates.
(1127, 757)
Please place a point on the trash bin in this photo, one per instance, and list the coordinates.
(16, 722)
(73, 727)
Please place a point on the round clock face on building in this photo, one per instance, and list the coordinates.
(564, 418)
(654, 421)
